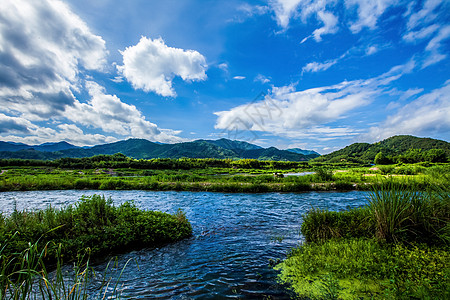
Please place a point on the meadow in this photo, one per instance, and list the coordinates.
(212, 175)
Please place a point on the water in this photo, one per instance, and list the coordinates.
(235, 237)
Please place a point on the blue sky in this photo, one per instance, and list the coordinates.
(287, 73)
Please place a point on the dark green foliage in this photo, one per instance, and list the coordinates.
(381, 159)
(92, 223)
(323, 174)
(403, 148)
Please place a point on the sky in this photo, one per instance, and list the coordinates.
(315, 75)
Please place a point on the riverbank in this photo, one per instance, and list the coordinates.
(395, 247)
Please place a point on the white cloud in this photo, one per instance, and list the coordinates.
(368, 12)
(151, 65)
(329, 25)
(293, 114)
(239, 77)
(16, 129)
(425, 15)
(414, 36)
(317, 67)
(371, 50)
(110, 114)
(43, 46)
(261, 78)
(284, 10)
(426, 116)
(433, 48)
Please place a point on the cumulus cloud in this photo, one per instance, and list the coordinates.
(151, 65)
(294, 114)
(45, 53)
(427, 115)
(110, 114)
(289, 113)
(43, 46)
(239, 77)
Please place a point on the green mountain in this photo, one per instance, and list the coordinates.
(144, 149)
(396, 146)
(301, 151)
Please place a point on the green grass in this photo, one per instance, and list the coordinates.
(218, 179)
(395, 247)
(367, 269)
(26, 275)
(94, 223)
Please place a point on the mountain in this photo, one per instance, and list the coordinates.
(52, 147)
(304, 152)
(46, 147)
(144, 149)
(393, 146)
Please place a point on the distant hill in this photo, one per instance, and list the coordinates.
(393, 146)
(301, 151)
(46, 147)
(144, 149)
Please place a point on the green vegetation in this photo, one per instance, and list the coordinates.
(395, 247)
(26, 275)
(396, 149)
(118, 172)
(92, 223)
(35, 242)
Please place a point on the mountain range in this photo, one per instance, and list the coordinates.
(144, 149)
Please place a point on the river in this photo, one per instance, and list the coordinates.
(235, 237)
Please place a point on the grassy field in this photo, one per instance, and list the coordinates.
(258, 178)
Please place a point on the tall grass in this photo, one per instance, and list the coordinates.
(26, 275)
(405, 214)
(94, 223)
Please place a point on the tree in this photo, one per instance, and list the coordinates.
(381, 159)
(436, 155)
